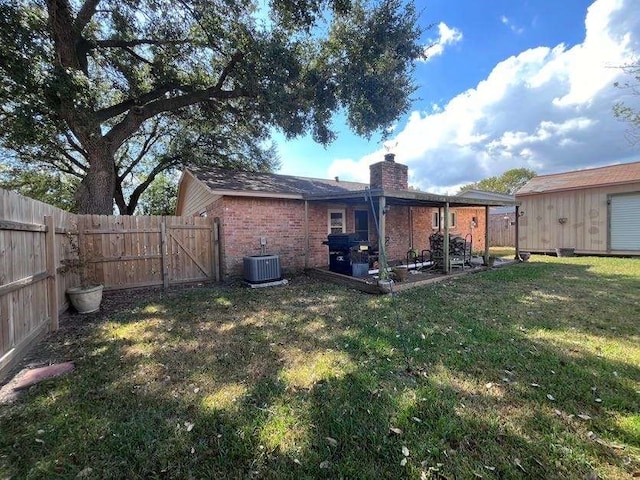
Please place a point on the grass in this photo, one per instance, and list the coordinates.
(528, 371)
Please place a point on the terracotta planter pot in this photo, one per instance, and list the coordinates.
(85, 299)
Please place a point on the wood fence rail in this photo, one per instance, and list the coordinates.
(120, 252)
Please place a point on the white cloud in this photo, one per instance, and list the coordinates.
(548, 109)
(509, 23)
(446, 36)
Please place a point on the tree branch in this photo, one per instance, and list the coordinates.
(136, 116)
(115, 43)
(139, 190)
(149, 142)
(76, 146)
(115, 110)
(227, 69)
(131, 52)
(84, 16)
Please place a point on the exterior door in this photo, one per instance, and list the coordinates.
(361, 222)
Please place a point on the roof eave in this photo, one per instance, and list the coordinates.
(583, 187)
(408, 197)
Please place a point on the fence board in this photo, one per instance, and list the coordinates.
(26, 303)
(120, 253)
(502, 230)
(129, 251)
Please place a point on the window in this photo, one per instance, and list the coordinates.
(336, 223)
(361, 221)
(435, 220)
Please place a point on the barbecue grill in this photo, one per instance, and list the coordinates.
(347, 254)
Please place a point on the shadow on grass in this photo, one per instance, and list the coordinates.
(307, 382)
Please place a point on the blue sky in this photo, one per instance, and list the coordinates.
(507, 84)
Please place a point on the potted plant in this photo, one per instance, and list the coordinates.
(87, 296)
(400, 274)
(384, 279)
(359, 263)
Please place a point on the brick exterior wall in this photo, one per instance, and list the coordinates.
(404, 234)
(245, 219)
(389, 175)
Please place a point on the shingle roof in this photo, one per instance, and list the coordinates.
(594, 177)
(230, 180)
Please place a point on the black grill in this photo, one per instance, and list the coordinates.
(345, 250)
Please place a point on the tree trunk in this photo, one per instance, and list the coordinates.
(96, 191)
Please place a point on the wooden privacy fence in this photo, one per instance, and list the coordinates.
(136, 251)
(33, 241)
(502, 230)
(120, 252)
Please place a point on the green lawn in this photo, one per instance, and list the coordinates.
(527, 371)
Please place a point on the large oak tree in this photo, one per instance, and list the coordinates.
(88, 86)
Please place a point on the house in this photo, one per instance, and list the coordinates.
(292, 215)
(594, 211)
(502, 220)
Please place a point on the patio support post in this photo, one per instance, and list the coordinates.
(517, 233)
(306, 234)
(445, 243)
(486, 235)
(382, 253)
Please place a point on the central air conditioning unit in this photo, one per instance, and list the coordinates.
(262, 268)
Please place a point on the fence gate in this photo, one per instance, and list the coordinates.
(141, 251)
(502, 230)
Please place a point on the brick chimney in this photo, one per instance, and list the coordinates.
(388, 174)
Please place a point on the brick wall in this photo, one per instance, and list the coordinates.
(282, 222)
(245, 220)
(388, 175)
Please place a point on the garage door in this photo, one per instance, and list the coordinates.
(625, 222)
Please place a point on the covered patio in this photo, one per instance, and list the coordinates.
(379, 202)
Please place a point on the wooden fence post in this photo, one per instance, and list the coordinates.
(215, 241)
(165, 256)
(52, 267)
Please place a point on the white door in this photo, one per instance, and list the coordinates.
(625, 222)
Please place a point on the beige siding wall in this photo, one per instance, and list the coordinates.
(586, 224)
(195, 197)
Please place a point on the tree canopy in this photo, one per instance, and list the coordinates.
(508, 183)
(114, 92)
(630, 112)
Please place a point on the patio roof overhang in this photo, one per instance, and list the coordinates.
(410, 198)
(384, 198)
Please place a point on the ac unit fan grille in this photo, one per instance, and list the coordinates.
(262, 268)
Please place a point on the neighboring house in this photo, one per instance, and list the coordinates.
(295, 214)
(595, 211)
(502, 220)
